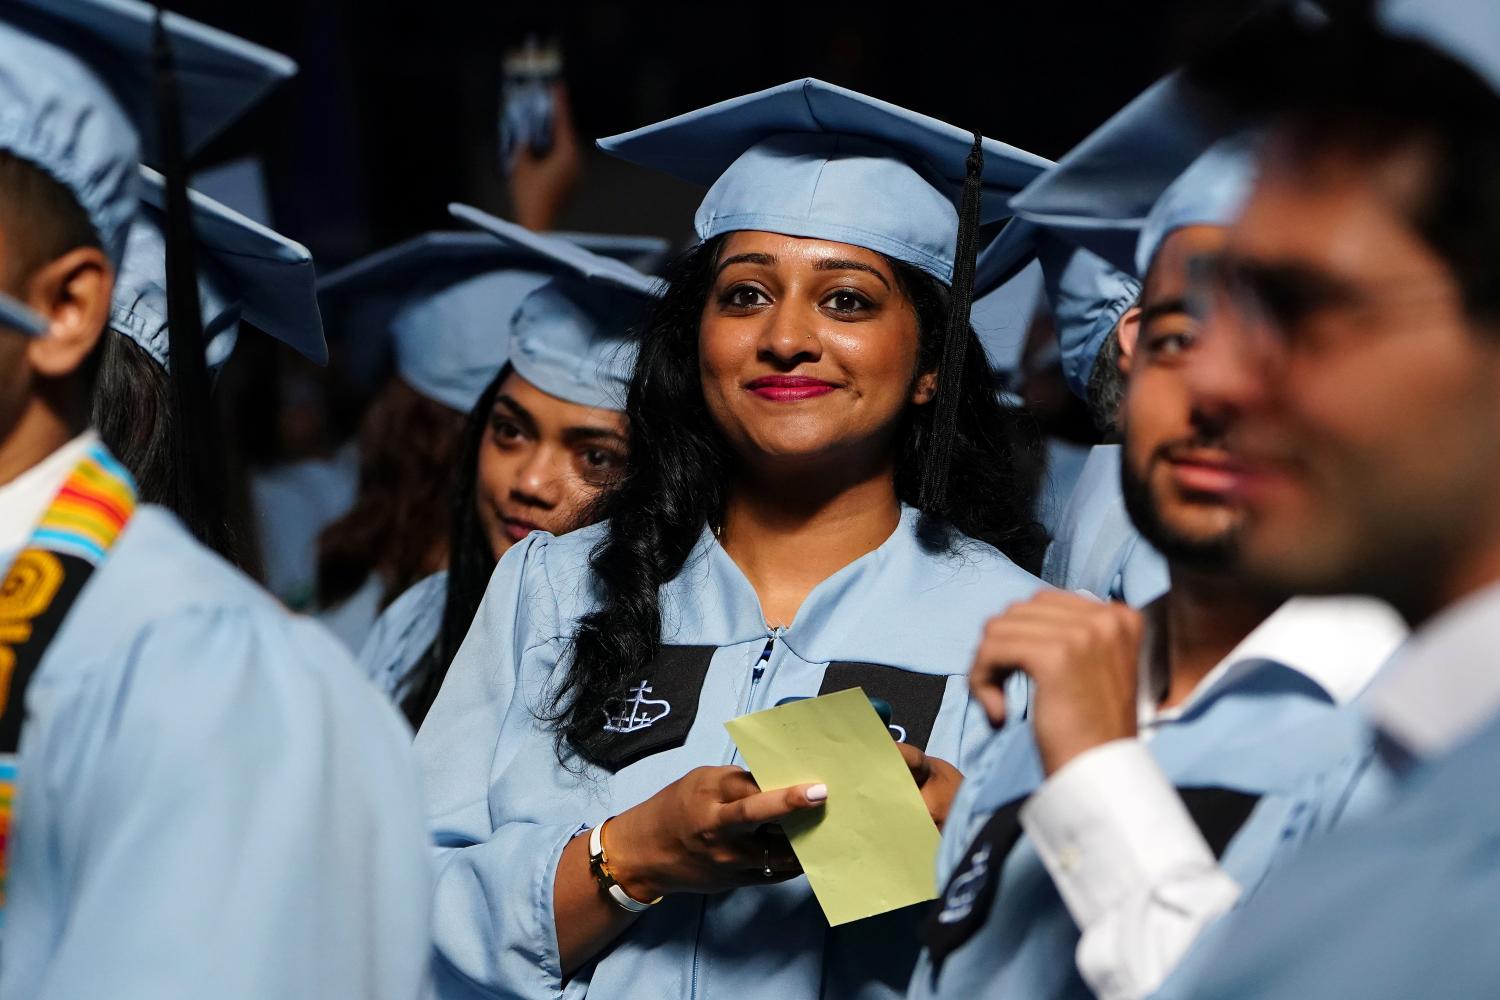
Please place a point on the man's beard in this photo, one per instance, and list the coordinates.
(1215, 553)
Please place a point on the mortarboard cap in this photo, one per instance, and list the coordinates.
(245, 272)
(570, 337)
(814, 160)
(1085, 294)
(1464, 30)
(440, 304)
(1099, 194)
(1210, 192)
(644, 253)
(1007, 293)
(76, 89)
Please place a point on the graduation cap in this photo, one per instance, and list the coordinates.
(89, 88)
(245, 272)
(1109, 194)
(1099, 193)
(1085, 294)
(809, 159)
(812, 159)
(1463, 30)
(1210, 192)
(570, 337)
(77, 81)
(1007, 293)
(440, 304)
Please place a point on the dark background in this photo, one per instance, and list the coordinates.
(395, 111)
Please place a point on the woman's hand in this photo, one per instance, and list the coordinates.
(937, 780)
(706, 832)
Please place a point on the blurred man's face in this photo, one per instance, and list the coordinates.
(1362, 401)
(1178, 478)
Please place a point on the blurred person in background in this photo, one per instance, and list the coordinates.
(1351, 352)
(1159, 741)
(198, 793)
(544, 442)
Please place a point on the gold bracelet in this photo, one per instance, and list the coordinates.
(599, 866)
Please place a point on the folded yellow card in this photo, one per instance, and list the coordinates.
(872, 847)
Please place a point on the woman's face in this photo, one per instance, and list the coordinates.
(807, 352)
(542, 462)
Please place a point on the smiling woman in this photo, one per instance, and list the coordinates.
(821, 492)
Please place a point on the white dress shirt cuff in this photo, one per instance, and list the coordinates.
(1111, 829)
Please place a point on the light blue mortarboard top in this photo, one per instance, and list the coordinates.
(442, 303)
(1464, 30)
(1210, 192)
(77, 100)
(1001, 315)
(1100, 193)
(245, 272)
(571, 336)
(814, 160)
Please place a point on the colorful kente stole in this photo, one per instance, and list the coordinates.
(72, 538)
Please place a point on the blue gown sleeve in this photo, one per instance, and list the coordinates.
(402, 635)
(493, 922)
(249, 826)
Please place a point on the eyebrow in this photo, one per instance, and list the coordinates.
(517, 410)
(841, 264)
(764, 259)
(822, 264)
(581, 435)
(1168, 308)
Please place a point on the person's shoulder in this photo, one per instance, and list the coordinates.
(560, 564)
(426, 593)
(159, 579)
(404, 632)
(167, 621)
(966, 562)
(164, 567)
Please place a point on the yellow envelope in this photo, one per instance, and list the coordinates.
(872, 847)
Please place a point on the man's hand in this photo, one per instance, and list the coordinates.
(1083, 659)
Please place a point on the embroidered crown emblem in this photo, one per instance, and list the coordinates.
(959, 900)
(635, 713)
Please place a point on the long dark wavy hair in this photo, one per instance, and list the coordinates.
(471, 562)
(407, 449)
(680, 466)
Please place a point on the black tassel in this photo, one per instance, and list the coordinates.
(934, 492)
(197, 480)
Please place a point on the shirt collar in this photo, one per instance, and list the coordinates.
(25, 498)
(1444, 686)
(1336, 642)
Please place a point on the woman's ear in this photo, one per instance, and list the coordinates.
(72, 293)
(925, 389)
(1128, 330)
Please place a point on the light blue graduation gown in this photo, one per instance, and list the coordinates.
(293, 504)
(1261, 735)
(900, 622)
(1095, 547)
(213, 802)
(402, 635)
(1065, 462)
(1397, 904)
(351, 620)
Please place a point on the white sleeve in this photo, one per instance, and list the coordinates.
(1129, 863)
